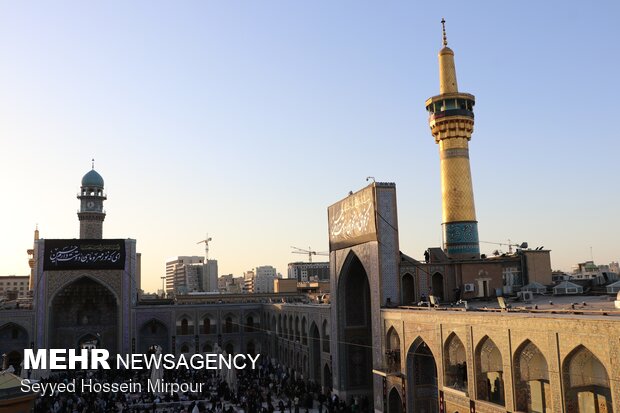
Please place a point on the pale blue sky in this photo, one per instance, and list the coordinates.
(247, 119)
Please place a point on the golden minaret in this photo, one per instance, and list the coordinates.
(451, 119)
(31, 258)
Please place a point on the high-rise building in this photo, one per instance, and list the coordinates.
(451, 119)
(309, 271)
(14, 286)
(263, 279)
(210, 276)
(248, 281)
(184, 274)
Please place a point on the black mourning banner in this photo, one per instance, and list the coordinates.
(84, 254)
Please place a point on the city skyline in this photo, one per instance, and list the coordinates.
(253, 138)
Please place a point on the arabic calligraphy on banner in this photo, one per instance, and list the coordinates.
(76, 254)
(352, 220)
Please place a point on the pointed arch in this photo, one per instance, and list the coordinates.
(422, 391)
(395, 403)
(586, 382)
(325, 336)
(437, 281)
(185, 325)
(231, 323)
(531, 376)
(14, 339)
(327, 377)
(315, 353)
(392, 350)
(153, 333)
(207, 324)
(455, 363)
(185, 348)
(304, 331)
(408, 289)
(355, 330)
(489, 372)
(252, 323)
(84, 304)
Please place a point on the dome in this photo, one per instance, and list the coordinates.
(92, 178)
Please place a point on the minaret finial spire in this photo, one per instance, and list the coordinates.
(443, 26)
(93, 163)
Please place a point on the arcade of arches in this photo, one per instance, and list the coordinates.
(585, 385)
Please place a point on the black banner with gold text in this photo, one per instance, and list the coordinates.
(84, 254)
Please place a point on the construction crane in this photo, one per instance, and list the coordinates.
(206, 241)
(523, 245)
(309, 251)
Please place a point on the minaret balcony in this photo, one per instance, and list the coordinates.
(451, 112)
(94, 195)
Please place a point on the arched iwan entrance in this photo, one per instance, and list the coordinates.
(355, 329)
(84, 307)
(533, 393)
(153, 333)
(421, 379)
(586, 383)
(13, 341)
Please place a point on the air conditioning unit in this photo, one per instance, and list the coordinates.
(469, 288)
(526, 296)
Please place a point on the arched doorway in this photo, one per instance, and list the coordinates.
(325, 337)
(489, 372)
(315, 353)
(355, 353)
(395, 403)
(208, 324)
(437, 286)
(304, 331)
(84, 307)
(392, 351)
(251, 323)
(422, 379)
(153, 333)
(327, 377)
(408, 289)
(455, 362)
(586, 383)
(533, 393)
(13, 341)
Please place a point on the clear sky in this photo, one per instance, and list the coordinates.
(246, 119)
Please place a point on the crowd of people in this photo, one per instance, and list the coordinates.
(268, 389)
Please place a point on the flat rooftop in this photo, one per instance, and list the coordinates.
(546, 304)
